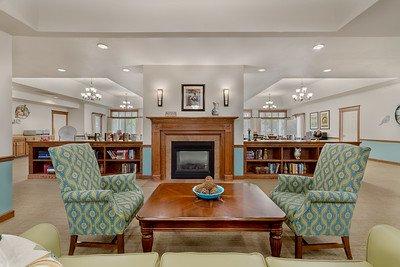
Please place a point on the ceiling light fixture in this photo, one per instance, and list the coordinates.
(327, 70)
(269, 104)
(301, 94)
(126, 104)
(262, 70)
(126, 70)
(90, 93)
(102, 46)
(61, 70)
(318, 47)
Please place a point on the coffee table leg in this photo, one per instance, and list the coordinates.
(147, 240)
(275, 241)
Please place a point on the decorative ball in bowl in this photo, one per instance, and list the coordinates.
(208, 190)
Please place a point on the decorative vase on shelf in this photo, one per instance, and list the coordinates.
(297, 153)
(215, 111)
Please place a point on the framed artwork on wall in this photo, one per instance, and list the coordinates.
(314, 121)
(193, 97)
(325, 120)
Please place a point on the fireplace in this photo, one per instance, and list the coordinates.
(192, 159)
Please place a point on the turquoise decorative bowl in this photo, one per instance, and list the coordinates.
(220, 191)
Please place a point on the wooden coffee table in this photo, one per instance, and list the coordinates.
(243, 207)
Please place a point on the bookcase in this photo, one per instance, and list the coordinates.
(113, 157)
(267, 159)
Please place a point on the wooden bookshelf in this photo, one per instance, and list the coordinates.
(275, 157)
(107, 164)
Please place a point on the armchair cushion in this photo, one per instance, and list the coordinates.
(293, 183)
(129, 203)
(281, 262)
(87, 196)
(331, 196)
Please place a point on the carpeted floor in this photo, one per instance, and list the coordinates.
(37, 201)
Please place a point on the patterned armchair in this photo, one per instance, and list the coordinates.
(95, 205)
(323, 205)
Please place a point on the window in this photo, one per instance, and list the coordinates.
(125, 121)
(97, 122)
(247, 114)
(273, 122)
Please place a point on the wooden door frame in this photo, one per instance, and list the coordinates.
(57, 112)
(348, 109)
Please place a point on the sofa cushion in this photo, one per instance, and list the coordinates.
(106, 260)
(280, 262)
(212, 260)
(128, 202)
(293, 204)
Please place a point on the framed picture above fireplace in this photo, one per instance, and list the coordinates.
(193, 98)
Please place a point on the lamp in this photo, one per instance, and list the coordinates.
(226, 97)
(160, 97)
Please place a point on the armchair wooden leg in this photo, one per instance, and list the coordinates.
(346, 246)
(120, 244)
(298, 245)
(72, 244)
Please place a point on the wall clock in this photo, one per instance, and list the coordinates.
(397, 114)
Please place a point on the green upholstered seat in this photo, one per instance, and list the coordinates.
(95, 205)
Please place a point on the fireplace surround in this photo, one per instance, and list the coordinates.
(165, 130)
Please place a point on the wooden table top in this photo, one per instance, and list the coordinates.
(240, 202)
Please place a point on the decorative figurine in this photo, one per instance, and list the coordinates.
(215, 111)
(297, 153)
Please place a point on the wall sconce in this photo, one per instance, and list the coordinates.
(160, 97)
(226, 97)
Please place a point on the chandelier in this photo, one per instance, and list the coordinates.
(269, 104)
(126, 104)
(90, 93)
(301, 94)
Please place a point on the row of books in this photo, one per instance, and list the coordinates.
(43, 154)
(295, 168)
(48, 169)
(128, 168)
(121, 154)
(271, 168)
(257, 154)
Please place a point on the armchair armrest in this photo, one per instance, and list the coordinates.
(331, 196)
(46, 235)
(87, 196)
(293, 183)
(120, 182)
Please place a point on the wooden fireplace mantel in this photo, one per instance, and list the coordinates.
(223, 127)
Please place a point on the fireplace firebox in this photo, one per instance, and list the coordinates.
(192, 159)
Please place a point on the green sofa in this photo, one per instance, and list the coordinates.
(323, 205)
(383, 250)
(95, 204)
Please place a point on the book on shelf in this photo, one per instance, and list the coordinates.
(42, 154)
(49, 169)
(121, 154)
(271, 168)
(128, 168)
(295, 168)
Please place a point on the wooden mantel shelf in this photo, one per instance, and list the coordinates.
(164, 128)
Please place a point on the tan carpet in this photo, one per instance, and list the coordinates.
(37, 201)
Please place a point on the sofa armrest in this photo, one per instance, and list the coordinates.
(331, 196)
(87, 196)
(383, 246)
(120, 182)
(46, 235)
(293, 183)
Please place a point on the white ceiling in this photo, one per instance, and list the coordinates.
(362, 40)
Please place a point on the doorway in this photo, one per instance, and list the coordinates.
(58, 119)
(349, 124)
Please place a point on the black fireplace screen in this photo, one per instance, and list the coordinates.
(192, 160)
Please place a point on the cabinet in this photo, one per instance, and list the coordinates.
(19, 147)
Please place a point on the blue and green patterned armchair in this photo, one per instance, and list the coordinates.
(323, 205)
(95, 204)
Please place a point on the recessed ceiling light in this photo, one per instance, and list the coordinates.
(55, 97)
(262, 70)
(327, 70)
(102, 46)
(61, 70)
(318, 47)
(126, 70)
